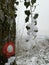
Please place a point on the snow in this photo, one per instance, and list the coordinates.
(34, 52)
(10, 60)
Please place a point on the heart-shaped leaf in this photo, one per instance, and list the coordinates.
(33, 1)
(27, 12)
(17, 3)
(27, 27)
(35, 16)
(27, 19)
(27, 4)
(35, 22)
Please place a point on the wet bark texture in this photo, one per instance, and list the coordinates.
(7, 23)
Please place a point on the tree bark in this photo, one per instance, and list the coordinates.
(7, 23)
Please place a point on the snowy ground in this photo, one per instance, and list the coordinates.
(34, 52)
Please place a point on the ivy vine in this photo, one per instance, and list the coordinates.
(27, 12)
(27, 4)
(33, 1)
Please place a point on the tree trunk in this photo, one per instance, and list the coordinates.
(7, 28)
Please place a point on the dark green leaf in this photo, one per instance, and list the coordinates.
(17, 3)
(35, 16)
(35, 22)
(27, 4)
(27, 19)
(35, 30)
(15, 8)
(15, 15)
(27, 27)
(33, 1)
(27, 12)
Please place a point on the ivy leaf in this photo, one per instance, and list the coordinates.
(27, 4)
(27, 19)
(17, 3)
(15, 8)
(35, 16)
(27, 27)
(33, 1)
(35, 30)
(35, 22)
(27, 41)
(15, 15)
(27, 12)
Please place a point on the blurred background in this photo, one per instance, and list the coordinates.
(43, 19)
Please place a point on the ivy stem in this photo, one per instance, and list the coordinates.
(31, 11)
(31, 15)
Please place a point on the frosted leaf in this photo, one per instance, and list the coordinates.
(28, 32)
(35, 29)
(32, 31)
(33, 19)
(32, 28)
